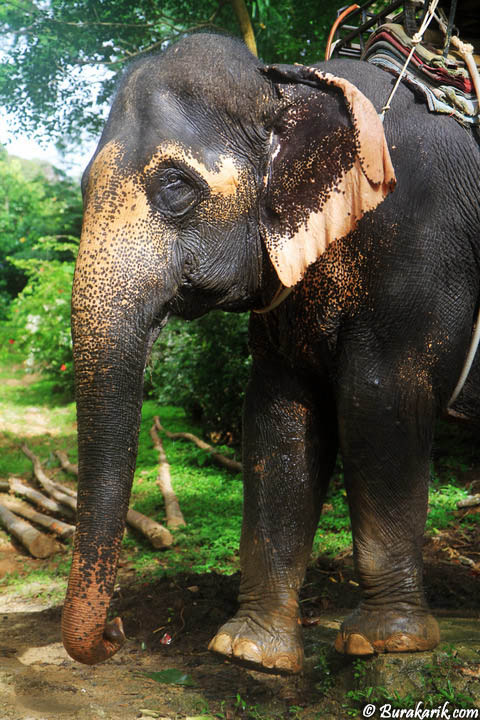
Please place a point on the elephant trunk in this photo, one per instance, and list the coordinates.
(108, 383)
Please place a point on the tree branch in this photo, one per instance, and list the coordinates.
(164, 481)
(217, 457)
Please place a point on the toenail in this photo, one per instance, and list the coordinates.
(358, 645)
(246, 650)
(222, 644)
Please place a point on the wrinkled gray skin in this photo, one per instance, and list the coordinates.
(205, 157)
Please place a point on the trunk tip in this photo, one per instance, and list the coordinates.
(114, 632)
(112, 640)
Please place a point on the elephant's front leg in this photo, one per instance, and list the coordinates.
(385, 437)
(288, 458)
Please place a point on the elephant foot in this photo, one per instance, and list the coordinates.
(403, 629)
(268, 642)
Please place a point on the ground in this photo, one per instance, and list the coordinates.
(38, 680)
(169, 622)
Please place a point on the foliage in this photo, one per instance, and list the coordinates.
(31, 207)
(203, 366)
(39, 322)
(53, 50)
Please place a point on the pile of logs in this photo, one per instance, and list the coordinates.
(56, 499)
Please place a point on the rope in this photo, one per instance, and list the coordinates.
(468, 363)
(416, 40)
(466, 51)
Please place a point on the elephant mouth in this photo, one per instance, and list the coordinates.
(154, 333)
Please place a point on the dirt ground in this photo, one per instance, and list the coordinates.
(169, 623)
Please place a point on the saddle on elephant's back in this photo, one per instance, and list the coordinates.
(440, 76)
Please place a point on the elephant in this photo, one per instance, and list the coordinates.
(220, 182)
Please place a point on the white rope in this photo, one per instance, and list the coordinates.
(468, 363)
(466, 51)
(416, 40)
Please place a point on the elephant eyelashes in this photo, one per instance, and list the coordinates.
(171, 192)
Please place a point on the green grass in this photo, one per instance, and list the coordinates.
(210, 497)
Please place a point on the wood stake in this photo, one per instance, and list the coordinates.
(164, 481)
(217, 457)
(37, 544)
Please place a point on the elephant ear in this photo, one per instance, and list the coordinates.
(329, 164)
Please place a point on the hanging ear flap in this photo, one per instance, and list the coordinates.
(329, 165)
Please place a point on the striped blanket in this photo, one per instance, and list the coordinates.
(444, 83)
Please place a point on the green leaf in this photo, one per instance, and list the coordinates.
(172, 676)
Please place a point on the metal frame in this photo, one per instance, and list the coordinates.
(362, 22)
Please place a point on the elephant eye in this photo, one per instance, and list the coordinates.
(171, 192)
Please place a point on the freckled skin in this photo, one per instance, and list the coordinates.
(215, 177)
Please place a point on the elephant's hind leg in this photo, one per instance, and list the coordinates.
(288, 458)
(385, 436)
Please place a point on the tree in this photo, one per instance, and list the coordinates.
(31, 207)
(62, 59)
(203, 366)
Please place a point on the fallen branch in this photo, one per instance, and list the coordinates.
(158, 535)
(164, 481)
(36, 497)
(65, 462)
(469, 501)
(63, 530)
(37, 543)
(217, 457)
(47, 484)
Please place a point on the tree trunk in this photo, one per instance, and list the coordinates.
(245, 25)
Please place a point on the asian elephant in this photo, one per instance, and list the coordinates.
(220, 182)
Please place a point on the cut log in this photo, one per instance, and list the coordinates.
(222, 460)
(173, 513)
(36, 497)
(63, 530)
(65, 489)
(48, 485)
(158, 535)
(65, 462)
(37, 543)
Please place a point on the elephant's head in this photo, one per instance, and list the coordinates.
(215, 180)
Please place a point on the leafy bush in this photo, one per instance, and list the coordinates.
(39, 322)
(35, 201)
(203, 366)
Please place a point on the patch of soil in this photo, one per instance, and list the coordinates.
(169, 623)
